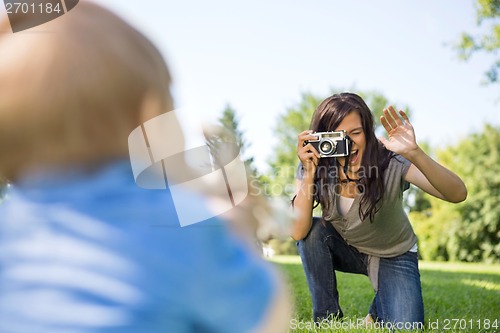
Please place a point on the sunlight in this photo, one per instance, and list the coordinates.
(488, 285)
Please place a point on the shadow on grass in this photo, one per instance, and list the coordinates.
(457, 301)
(461, 295)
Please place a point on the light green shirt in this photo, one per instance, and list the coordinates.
(390, 234)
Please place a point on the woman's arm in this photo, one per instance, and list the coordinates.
(303, 202)
(434, 179)
(303, 207)
(424, 172)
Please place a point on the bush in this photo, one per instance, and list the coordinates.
(283, 247)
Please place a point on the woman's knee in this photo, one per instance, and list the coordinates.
(316, 235)
(399, 289)
(317, 232)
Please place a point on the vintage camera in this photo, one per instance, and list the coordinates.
(331, 144)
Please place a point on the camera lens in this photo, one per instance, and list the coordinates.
(326, 147)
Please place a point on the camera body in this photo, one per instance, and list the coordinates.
(331, 144)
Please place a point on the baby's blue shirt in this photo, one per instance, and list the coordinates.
(93, 252)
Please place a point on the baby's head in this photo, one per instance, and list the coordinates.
(73, 89)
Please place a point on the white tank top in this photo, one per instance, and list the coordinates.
(344, 204)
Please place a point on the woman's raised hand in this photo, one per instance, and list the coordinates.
(308, 155)
(401, 135)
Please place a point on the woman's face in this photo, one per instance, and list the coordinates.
(354, 128)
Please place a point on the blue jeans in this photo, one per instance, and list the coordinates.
(399, 295)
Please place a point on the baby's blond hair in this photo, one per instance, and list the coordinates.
(73, 89)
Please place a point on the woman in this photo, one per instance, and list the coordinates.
(364, 228)
(82, 247)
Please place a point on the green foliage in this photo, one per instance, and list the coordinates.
(283, 247)
(295, 120)
(477, 160)
(469, 231)
(432, 227)
(230, 122)
(488, 12)
(414, 198)
(487, 9)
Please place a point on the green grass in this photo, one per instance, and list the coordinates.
(458, 297)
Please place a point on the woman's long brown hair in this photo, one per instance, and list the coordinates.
(328, 115)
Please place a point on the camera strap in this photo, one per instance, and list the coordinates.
(347, 158)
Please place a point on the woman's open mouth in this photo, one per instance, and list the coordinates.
(354, 156)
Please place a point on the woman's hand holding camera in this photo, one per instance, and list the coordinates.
(303, 200)
(308, 155)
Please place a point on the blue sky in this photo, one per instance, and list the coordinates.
(258, 56)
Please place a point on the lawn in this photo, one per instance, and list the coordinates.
(458, 297)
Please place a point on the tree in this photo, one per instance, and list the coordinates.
(229, 121)
(415, 199)
(469, 231)
(477, 159)
(487, 12)
(284, 161)
(231, 132)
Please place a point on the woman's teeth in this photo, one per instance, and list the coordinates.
(354, 155)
